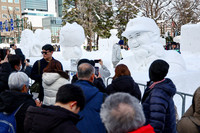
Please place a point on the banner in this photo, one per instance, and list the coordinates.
(11, 24)
(6, 25)
(1, 26)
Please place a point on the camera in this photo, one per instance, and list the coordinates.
(97, 61)
(28, 60)
(11, 45)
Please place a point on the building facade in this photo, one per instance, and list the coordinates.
(10, 10)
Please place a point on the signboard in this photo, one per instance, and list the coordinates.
(6, 25)
(11, 24)
(1, 26)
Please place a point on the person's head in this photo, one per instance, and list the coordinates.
(85, 61)
(55, 66)
(71, 97)
(141, 31)
(18, 81)
(158, 70)
(15, 62)
(47, 51)
(122, 113)
(121, 70)
(173, 45)
(86, 72)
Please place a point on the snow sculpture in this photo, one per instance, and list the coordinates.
(144, 40)
(26, 42)
(41, 37)
(72, 36)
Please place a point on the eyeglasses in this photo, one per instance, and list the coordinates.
(44, 52)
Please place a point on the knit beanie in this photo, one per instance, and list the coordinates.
(91, 62)
(158, 70)
(121, 42)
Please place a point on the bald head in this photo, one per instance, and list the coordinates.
(85, 71)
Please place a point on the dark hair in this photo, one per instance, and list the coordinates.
(14, 60)
(48, 47)
(70, 92)
(56, 67)
(121, 70)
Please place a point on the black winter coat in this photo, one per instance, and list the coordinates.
(50, 119)
(5, 71)
(11, 100)
(124, 84)
(158, 107)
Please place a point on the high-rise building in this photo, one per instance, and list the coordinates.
(36, 10)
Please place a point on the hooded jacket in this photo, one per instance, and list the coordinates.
(124, 84)
(158, 107)
(11, 100)
(51, 82)
(191, 118)
(91, 121)
(144, 129)
(50, 119)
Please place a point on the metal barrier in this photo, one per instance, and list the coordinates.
(182, 94)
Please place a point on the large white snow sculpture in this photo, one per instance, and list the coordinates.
(26, 43)
(144, 41)
(41, 37)
(72, 36)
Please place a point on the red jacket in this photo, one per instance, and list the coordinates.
(145, 129)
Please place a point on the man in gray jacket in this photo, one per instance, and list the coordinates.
(116, 53)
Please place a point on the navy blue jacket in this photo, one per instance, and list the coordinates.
(124, 84)
(91, 121)
(158, 106)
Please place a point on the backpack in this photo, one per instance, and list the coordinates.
(8, 122)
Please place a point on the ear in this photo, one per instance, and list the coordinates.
(24, 89)
(92, 78)
(72, 104)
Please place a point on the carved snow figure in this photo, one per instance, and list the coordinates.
(144, 40)
(72, 36)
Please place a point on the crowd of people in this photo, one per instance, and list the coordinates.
(85, 104)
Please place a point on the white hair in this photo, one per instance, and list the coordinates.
(122, 113)
(16, 81)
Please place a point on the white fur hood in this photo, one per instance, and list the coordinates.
(50, 78)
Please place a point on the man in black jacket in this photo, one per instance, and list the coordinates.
(39, 65)
(16, 97)
(59, 118)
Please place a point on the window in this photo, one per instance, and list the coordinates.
(4, 16)
(10, 8)
(16, 1)
(10, 1)
(4, 7)
(3, 0)
(16, 8)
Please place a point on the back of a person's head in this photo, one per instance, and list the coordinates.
(16, 81)
(70, 92)
(14, 60)
(81, 61)
(121, 70)
(122, 113)
(85, 71)
(48, 47)
(158, 70)
(53, 66)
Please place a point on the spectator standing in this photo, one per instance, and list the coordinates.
(190, 121)
(90, 122)
(103, 70)
(123, 82)
(17, 96)
(157, 101)
(116, 53)
(52, 79)
(39, 65)
(122, 113)
(59, 118)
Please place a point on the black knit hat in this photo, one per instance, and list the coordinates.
(158, 70)
(85, 61)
